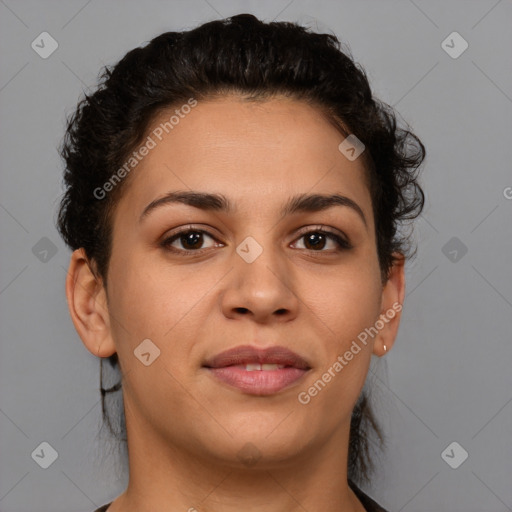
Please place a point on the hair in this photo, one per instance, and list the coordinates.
(257, 61)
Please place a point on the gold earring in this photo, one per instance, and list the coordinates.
(385, 348)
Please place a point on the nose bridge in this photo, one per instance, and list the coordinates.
(261, 262)
(262, 278)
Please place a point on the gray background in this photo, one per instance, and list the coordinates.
(448, 376)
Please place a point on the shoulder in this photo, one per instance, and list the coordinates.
(369, 504)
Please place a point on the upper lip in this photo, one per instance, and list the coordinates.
(247, 354)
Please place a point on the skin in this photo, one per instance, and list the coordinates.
(185, 429)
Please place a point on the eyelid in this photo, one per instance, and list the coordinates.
(173, 236)
(338, 236)
(341, 240)
(324, 229)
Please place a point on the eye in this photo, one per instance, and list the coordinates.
(316, 240)
(190, 239)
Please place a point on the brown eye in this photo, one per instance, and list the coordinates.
(318, 239)
(191, 240)
(315, 241)
(187, 241)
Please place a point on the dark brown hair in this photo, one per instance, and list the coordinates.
(255, 60)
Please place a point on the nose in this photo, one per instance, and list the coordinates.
(263, 290)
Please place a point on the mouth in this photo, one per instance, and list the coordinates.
(257, 371)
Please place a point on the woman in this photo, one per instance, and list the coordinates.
(233, 197)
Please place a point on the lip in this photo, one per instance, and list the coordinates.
(247, 354)
(229, 368)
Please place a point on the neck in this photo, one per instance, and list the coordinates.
(170, 478)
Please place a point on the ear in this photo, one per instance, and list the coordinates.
(87, 303)
(393, 294)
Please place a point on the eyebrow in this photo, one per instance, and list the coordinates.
(219, 203)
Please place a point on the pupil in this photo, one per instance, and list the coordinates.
(316, 244)
(191, 239)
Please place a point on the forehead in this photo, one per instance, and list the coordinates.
(256, 152)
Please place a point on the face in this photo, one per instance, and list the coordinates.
(200, 280)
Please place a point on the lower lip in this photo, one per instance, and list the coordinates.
(258, 382)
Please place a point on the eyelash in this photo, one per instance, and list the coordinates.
(166, 244)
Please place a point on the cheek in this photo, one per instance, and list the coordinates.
(162, 306)
(343, 308)
(347, 300)
(358, 307)
(158, 302)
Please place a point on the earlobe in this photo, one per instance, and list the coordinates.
(393, 294)
(87, 303)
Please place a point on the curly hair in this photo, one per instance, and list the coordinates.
(257, 61)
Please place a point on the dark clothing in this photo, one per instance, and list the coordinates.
(369, 504)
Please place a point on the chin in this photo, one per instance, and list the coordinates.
(261, 448)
